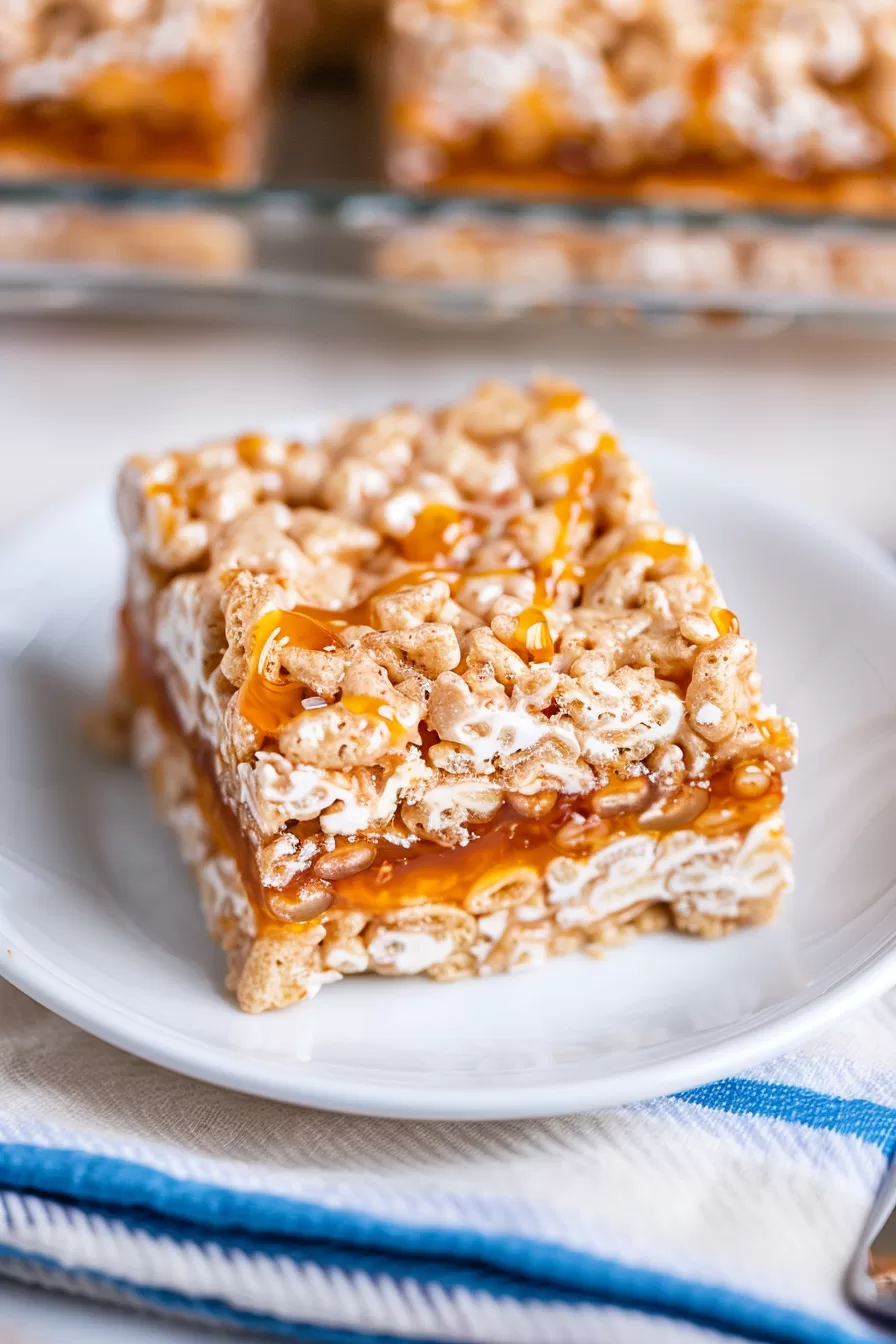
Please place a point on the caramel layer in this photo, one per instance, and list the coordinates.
(507, 846)
(176, 129)
(695, 184)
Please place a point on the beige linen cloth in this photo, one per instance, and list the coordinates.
(729, 1210)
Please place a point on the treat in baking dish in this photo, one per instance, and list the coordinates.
(149, 88)
(773, 102)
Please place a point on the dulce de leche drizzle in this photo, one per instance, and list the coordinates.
(269, 704)
(438, 530)
(654, 547)
(532, 636)
(724, 621)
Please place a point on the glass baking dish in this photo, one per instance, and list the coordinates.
(321, 227)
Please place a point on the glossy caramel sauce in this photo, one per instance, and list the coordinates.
(724, 621)
(430, 544)
(581, 477)
(532, 636)
(437, 530)
(268, 704)
(574, 508)
(511, 846)
(655, 547)
(507, 846)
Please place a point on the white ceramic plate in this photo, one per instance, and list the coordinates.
(99, 922)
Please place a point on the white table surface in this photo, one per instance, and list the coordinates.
(813, 417)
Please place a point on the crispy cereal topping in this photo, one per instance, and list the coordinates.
(392, 636)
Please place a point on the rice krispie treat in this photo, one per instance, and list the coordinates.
(775, 101)
(547, 262)
(159, 88)
(200, 242)
(442, 694)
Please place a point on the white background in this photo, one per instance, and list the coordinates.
(811, 416)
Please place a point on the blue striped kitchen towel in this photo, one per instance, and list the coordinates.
(726, 1212)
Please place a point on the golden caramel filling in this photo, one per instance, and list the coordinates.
(508, 846)
(511, 845)
(751, 779)
(395, 874)
(173, 124)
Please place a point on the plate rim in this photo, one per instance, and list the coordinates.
(395, 1101)
(239, 1070)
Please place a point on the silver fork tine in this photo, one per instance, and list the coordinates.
(871, 1277)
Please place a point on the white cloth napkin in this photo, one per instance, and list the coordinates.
(729, 1211)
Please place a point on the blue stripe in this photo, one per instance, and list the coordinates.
(866, 1120)
(208, 1310)
(422, 1268)
(122, 1185)
(215, 1309)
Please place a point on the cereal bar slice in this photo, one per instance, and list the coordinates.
(442, 694)
(776, 102)
(195, 241)
(156, 88)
